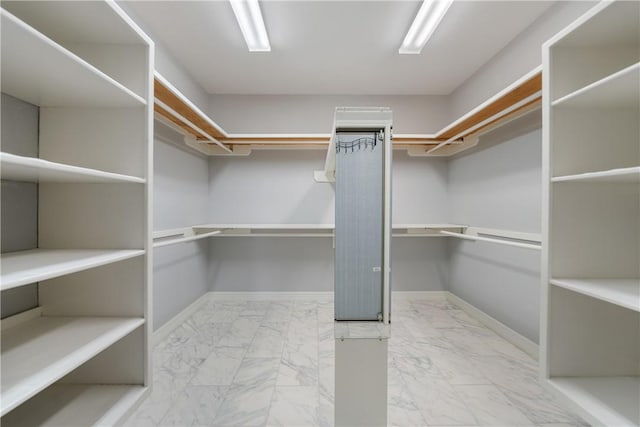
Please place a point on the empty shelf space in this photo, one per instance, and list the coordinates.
(622, 292)
(618, 90)
(28, 58)
(71, 404)
(38, 352)
(612, 401)
(24, 267)
(614, 175)
(19, 168)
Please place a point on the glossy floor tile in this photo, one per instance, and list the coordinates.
(271, 363)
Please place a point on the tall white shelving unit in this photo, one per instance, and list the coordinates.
(590, 344)
(81, 357)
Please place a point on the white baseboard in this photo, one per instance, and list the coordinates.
(520, 341)
(163, 331)
(269, 296)
(406, 295)
(279, 296)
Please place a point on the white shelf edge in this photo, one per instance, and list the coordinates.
(185, 239)
(188, 234)
(29, 168)
(614, 291)
(290, 226)
(77, 404)
(284, 230)
(72, 57)
(635, 68)
(28, 387)
(188, 102)
(584, 393)
(631, 174)
(69, 261)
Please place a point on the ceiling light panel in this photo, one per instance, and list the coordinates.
(251, 24)
(429, 16)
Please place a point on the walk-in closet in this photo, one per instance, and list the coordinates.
(320, 213)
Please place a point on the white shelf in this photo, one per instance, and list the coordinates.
(24, 267)
(19, 168)
(630, 175)
(39, 352)
(75, 405)
(622, 292)
(41, 72)
(610, 401)
(184, 239)
(618, 90)
(317, 230)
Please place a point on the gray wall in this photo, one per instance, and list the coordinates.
(314, 113)
(180, 199)
(278, 187)
(19, 215)
(181, 181)
(499, 186)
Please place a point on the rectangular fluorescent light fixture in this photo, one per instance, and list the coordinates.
(429, 16)
(251, 24)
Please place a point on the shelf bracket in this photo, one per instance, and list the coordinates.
(211, 149)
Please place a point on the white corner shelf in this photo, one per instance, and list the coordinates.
(609, 401)
(622, 175)
(19, 168)
(618, 90)
(76, 405)
(24, 267)
(39, 352)
(28, 58)
(622, 292)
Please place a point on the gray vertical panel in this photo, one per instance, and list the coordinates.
(19, 200)
(359, 208)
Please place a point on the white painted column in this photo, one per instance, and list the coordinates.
(361, 374)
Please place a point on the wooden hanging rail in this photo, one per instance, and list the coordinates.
(204, 135)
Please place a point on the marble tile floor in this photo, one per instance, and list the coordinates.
(271, 363)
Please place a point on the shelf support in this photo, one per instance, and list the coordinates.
(530, 103)
(490, 240)
(328, 174)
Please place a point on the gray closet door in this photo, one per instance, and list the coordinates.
(359, 227)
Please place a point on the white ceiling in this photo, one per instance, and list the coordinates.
(334, 47)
